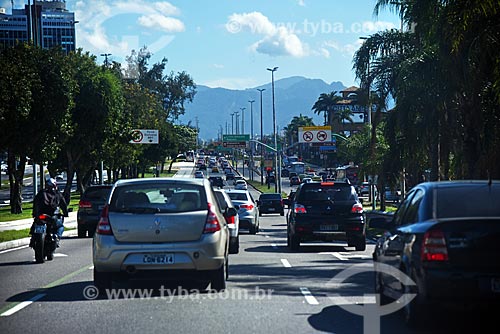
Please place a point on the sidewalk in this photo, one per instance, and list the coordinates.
(69, 222)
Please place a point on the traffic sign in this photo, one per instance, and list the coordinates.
(315, 134)
(144, 137)
(234, 144)
(235, 138)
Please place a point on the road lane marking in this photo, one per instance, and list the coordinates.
(286, 264)
(274, 246)
(267, 236)
(13, 249)
(16, 306)
(340, 256)
(310, 299)
(22, 305)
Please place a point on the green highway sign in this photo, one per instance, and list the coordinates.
(235, 138)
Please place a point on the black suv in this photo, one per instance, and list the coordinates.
(216, 181)
(271, 203)
(89, 209)
(326, 211)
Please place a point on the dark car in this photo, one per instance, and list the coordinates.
(229, 176)
(285, 172)
(295, 181)
(271, 203)
(216, 181)
(89, 209)
(445, 236)
(326, 211)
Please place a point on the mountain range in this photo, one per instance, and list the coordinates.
(212, 107)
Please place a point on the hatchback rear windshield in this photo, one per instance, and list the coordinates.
(318, 192)
(469, 201)
(158, 197)
(238, 196)
(97, 194)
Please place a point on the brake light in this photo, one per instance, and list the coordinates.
(299, 208)
(357, 208)
(43, 216)
(84, 204)
(103, 227)
(327, 183)
(212, 224)
(246, 206)
(231, 220)
(434, 246)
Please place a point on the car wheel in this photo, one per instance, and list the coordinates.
(382, 299)
(82, 232)
(414, 311)
(234, 245)
(295, 242)
(252, 229)
(218, 282)
(102, 281)
(360, 245)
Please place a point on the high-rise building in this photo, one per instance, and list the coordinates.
(45, 23)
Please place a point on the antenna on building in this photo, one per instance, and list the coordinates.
(12, 4)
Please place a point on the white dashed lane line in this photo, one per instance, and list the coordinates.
(310, 299)
(286, 264)
(22, 305)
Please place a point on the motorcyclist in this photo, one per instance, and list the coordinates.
(50, 201)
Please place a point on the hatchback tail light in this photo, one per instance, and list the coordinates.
(246, 206)
(103, 227)
(231, 220)
(84, 204)
(299, 208)
(357, 208)
(434, 246)
(212, 224)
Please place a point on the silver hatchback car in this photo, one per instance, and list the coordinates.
(248, 211)
(170, 228)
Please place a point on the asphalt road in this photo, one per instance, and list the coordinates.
(270, 290)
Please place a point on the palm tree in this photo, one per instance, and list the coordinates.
(325, 104)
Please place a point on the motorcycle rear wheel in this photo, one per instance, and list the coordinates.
(39, 248)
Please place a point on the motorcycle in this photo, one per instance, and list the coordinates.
(44, 237)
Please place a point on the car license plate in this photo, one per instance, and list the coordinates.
(271, 209)
(495, 284)
(333, 227)
(158, 258)
(39, 228)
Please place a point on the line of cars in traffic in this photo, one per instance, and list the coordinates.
(442, 243)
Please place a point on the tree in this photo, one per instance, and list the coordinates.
(35, 102)
(325, 104)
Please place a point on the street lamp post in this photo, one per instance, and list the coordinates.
(237, 113)
(277, 176)
(261, 139)
(106, 55)
(232, 123)
(242, 120)
(251, 137)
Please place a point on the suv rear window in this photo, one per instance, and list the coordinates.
(270, 196)
(326, 192)
(468, 201)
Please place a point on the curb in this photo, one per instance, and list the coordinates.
(26, 241)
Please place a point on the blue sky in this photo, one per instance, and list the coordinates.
(230, 43)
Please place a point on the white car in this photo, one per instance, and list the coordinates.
(241, 185)
(199, 174)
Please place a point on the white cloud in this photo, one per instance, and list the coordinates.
(160, 22)
(93, 17)
(302, 3)
(345, 49)
(219, 66)
(277, 40)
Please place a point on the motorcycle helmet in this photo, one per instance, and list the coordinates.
(51, 183)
